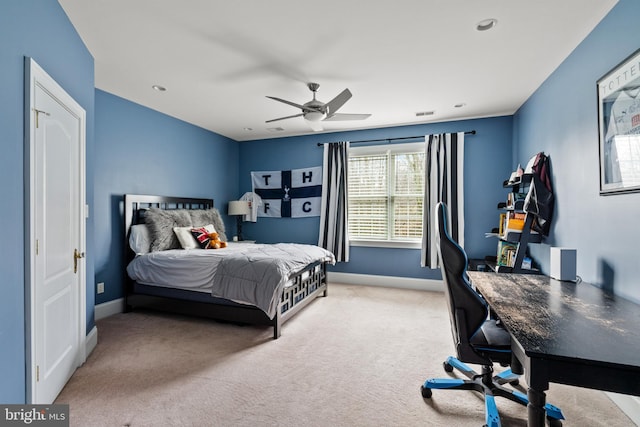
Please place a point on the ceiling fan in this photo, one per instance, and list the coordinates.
(316, 111)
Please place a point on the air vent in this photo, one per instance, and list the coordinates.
(425, 113)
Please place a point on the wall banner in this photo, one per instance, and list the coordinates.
(296, 193)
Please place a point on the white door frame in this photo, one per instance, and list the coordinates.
(35, 75)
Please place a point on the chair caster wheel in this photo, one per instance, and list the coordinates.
(447, 367)
(553, 422)
(426, 392)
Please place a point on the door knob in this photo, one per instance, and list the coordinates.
(76, 256)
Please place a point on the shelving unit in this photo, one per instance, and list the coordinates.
(522, 238)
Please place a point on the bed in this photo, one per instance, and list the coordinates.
(241, 283)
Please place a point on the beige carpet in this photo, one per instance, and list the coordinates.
(355, 358)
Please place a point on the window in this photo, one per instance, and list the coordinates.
(386, 188)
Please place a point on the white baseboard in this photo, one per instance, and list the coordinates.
(386, 281)
(91, 341)
(108, 308)
(630, 405)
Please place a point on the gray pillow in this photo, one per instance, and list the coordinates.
(161, 223)
(202, 217)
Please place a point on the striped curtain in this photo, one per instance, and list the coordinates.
(333, 211)
(444, 166)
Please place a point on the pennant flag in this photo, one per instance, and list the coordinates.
(289, 194)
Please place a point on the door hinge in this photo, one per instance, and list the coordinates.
(38, 115)
(37, 373)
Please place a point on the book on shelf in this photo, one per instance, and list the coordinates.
(512, 222)
(506, 255)
(503, 220)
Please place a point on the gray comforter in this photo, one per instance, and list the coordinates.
(258, 276)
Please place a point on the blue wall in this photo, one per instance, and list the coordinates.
(41, 30)
(488, 162)
(561, 120)
(141, 151)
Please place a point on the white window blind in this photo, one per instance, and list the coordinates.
(386, 186)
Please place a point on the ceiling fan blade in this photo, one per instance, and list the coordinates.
(332, 106)
(339, 116)
(282, 118)
(302, 107)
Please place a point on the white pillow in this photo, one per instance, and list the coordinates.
(187, 241)
(140, 239)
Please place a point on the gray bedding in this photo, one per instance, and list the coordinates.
(246, 273)
(257, 276)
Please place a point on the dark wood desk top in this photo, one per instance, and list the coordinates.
(562, 320)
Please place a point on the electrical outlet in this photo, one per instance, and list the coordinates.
(100, 288)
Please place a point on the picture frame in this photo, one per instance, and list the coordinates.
(619, 127)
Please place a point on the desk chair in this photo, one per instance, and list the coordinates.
(479, 338)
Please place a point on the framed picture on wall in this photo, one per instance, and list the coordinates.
(619, 127)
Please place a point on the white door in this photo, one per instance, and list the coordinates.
(57, 175)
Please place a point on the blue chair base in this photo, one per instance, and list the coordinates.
(489, 385)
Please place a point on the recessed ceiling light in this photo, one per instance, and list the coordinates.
(278, 129)
(487, 24)
(425, 113)
(248, 129)
(460, 105)
(159, 88)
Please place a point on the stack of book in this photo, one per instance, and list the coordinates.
(511, 222)
(506, 256)
(507, 253)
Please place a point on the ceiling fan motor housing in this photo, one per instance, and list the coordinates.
(314, 110)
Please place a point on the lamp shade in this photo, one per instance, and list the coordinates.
(238, 207)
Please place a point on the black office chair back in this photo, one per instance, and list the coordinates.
(467, 309)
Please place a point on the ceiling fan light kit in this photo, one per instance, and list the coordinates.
(314, 116)
(316, 111)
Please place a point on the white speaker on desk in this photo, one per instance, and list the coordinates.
(563, 264)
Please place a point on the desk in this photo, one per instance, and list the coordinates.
(565, 333)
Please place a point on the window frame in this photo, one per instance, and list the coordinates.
(388, 150)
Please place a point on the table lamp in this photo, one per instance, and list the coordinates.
(239, 208)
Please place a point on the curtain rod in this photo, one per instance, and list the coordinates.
(320, 144)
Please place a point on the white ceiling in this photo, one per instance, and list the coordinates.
(219, 59)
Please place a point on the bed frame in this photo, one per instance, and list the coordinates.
(307, 284)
